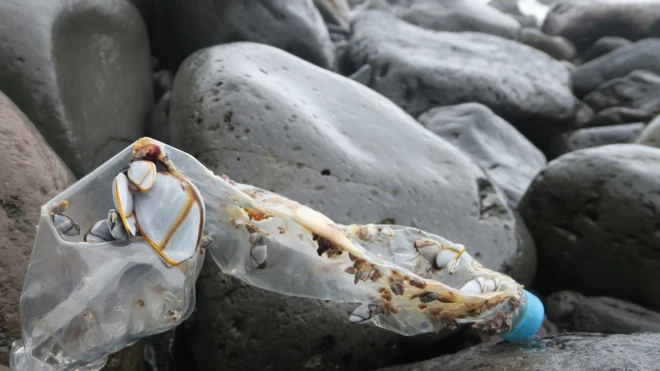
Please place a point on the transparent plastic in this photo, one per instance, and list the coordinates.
(82, 302)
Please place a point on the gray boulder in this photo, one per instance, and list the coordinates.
(420, 69)
(594, 216)
(603, 46)
(566, 352)
(594, 137)
(585, 21)
(642, 55)
(453, 16)
(615, 116)
(267, 118)
(638, 90)
(650, 136)
(292, 25)
(80, 70)
(510, 159)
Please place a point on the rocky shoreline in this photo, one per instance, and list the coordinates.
(534, 144)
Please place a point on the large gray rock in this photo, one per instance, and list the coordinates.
(80, 70)
(639, 90)
(585, 21)
(650, 136)
(33, 175)
(420, 69)
(267, 118)
(453, 16)
(615, 116)
(603, 46)
(565, 352)
(292, 25)
(594, 137)
(510, 159)
(594, 214)
(642, 55)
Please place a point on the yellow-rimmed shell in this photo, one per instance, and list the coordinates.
(171, 217)
(123, 199)
(142, 174)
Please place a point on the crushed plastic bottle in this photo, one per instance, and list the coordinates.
(82, 301)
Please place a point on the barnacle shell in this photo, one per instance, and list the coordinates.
(171, 217)
(142, 174)
(124, 202)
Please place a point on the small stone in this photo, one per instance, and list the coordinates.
(613, 316)
(636, 91)
(594, 137)
(642, 55)
(603, 46)
(511, 7)
(584, 22)
(555, 46)
(615, 116)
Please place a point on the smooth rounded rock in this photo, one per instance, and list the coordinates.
(585, 21)
(80, 70)
(510, 159)
(296, 26)
(555, 46)
(642, 55)
(569, 352)
(267, 118)
(638, 90)
(420, 69)
(650, 136)
(603, 46)
(594, 137)
(455, 16)
(594, 216)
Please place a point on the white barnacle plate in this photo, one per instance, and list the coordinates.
(142, 173)
(124, 202)
(171, 217)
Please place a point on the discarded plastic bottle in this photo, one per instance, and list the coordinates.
(148, 216)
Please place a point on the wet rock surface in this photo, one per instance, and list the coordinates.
(511, 7)
(453, 16)
(419, 69)
(594, 137)
(598, 205)
(638, 91)
(585, 21)
(80, 71)
(249, 109)
(563, 352)
(508, 157)
(294, 26)
(642, 55)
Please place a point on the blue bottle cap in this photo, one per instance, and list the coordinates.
(528, 321)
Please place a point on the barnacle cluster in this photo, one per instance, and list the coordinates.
(87, 296)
